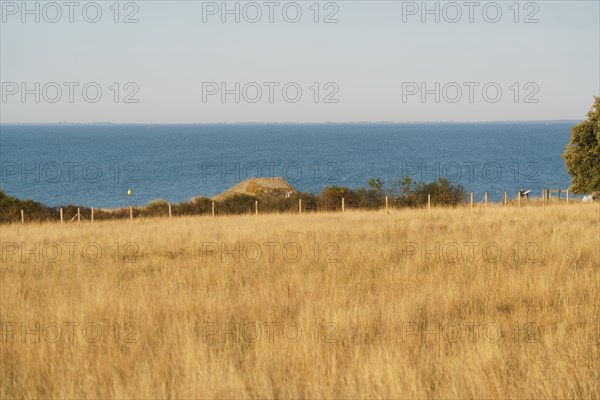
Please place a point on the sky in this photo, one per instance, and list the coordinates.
(303, 61)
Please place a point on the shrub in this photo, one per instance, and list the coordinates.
(280, 203)
(10, 210)
(238, 204)
(403, 193)
(196, 206)
(442, 193)
(330, 199)
(365, 199)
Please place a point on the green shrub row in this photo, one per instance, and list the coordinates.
(403, 193)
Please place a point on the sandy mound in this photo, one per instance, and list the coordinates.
(259, 186)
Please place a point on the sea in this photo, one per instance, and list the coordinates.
(96, 165)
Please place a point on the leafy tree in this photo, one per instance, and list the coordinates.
(401, 190)
(582, 154)
(376, 183)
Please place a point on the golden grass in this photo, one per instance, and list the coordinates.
(387, 319)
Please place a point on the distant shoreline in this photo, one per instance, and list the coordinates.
(561, 121)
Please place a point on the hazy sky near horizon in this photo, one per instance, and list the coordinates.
(481, 61)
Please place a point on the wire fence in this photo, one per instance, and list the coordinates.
(73, 214)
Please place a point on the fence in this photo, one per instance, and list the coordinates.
(521, 200)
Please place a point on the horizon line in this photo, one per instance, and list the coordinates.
(292, 123)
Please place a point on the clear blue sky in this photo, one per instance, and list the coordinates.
(368, 55)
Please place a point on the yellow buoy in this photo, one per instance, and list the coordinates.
(129, 192)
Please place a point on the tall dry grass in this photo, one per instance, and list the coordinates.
(389, 306)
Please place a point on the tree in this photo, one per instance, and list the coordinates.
(582, 154)
(376, 183)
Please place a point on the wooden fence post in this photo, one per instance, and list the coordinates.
(543, 197)
(504, 197)
(213, 208)
(78, 215)
(519, 201)
(256, 207)
(343, 205)
(487, 201)
(61, 216)
(567, 196)
(22, 216)
(170, 214)
(471, 201)
(299, 206)
(130, 213)
(428, 201)
(386, 203)
(92, 216)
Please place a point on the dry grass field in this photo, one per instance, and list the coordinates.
(447, 303)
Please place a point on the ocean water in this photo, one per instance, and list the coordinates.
(95, 165)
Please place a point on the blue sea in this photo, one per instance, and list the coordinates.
(95, 165)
